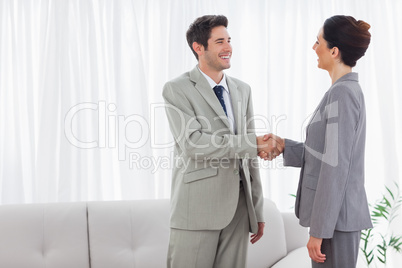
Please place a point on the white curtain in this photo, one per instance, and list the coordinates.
(81, 114)
(81, 81)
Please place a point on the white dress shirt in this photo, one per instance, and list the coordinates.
(226, 98)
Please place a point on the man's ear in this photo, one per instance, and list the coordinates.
(198, 48)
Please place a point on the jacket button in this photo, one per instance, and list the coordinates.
(236, 171)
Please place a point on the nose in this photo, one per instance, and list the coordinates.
(314, 46)
(228, 46)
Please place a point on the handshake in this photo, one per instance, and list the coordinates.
(270, 146)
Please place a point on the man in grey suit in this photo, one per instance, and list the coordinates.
(216, 195)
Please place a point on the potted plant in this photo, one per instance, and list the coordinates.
(376, 242)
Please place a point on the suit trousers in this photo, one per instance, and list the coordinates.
(341, 250)
(212, 248)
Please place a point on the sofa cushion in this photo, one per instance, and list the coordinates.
(272, 246)
(128, 233)
(44, 235)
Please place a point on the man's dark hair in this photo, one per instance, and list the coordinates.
(200, 30)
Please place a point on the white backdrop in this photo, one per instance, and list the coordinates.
(81, 82)
(81, 114)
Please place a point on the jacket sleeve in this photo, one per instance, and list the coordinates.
(193, 140)
(293, 153)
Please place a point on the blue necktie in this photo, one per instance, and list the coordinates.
(219, 93)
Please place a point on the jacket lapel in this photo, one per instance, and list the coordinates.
(236, 104)
(202, 85)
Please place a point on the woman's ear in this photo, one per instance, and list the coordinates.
(335, 52)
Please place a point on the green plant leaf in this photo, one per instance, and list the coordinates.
(381, 260)
(371, 260)
(387, 202)
(382, 212)
(396, 243)
(390, 192)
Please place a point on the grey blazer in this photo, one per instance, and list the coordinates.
(331, 194)
(208, 156)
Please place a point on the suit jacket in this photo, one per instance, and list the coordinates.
(208, 156)
(331, 194)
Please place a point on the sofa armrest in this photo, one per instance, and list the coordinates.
(297, 258)
(296, 235)
(272, 246)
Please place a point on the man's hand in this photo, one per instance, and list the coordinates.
(259, 234)
(270, 146)
(314, 249)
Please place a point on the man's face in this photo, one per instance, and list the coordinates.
(217, 55)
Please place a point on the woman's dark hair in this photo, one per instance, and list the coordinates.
(200, 30)
(351, 37)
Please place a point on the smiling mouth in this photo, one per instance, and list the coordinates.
(225, 57)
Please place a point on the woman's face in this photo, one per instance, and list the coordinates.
(325, 60)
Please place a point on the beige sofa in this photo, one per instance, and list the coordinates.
(122, 234)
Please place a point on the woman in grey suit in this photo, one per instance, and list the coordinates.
(331, 198)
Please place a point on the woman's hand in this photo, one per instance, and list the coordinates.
(273, 146)
(314, 249)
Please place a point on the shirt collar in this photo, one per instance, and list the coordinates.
(212, 82)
